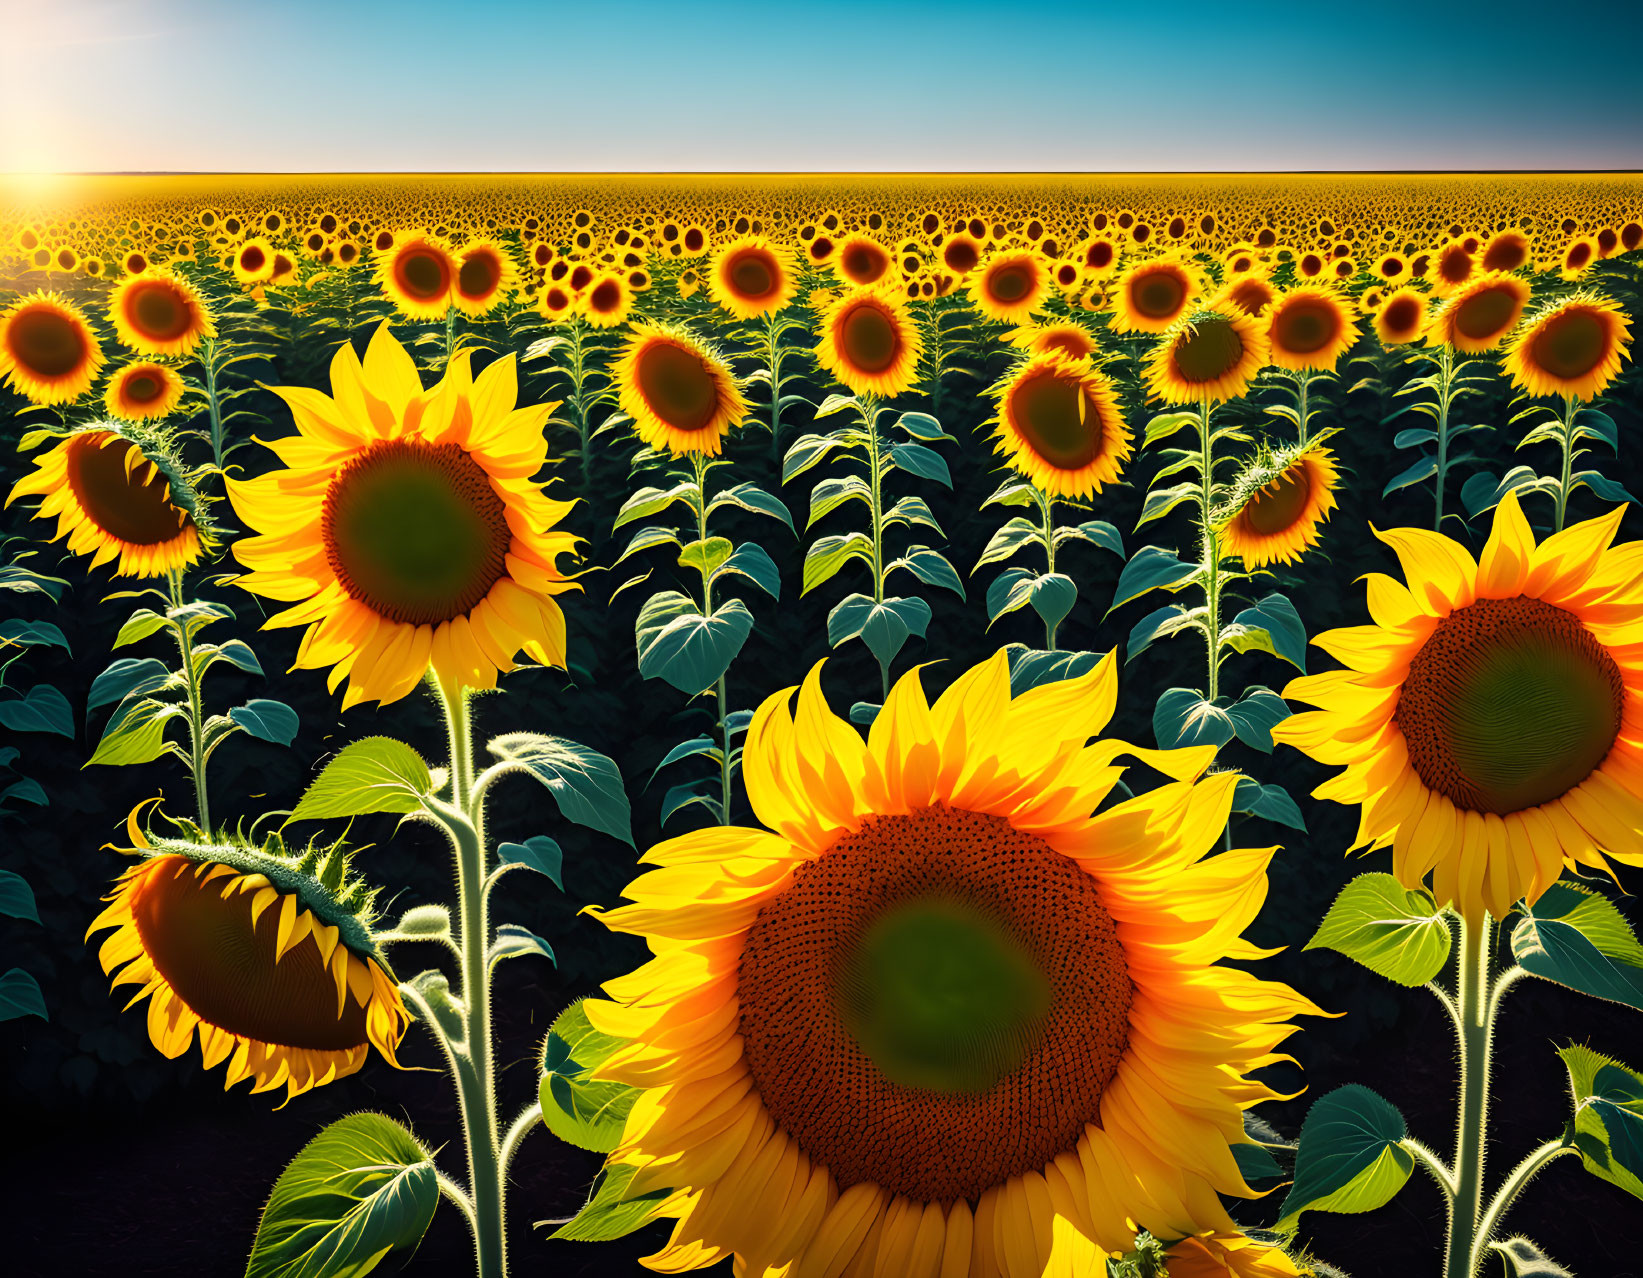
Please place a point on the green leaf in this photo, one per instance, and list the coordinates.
(706, 556)
(1269, 802)
(1578, 938)
(1183, 718)
(360, 1190)
(195, 617)
(829, 554)
(924, 462)
(1418, 471)
(514, 941)
(1098, 531)
(20, 996)
(135, 732)
(1166, 424)
(1349, 1158)
(751, 497)
(652, 501)
(911, 510)
(376, 774)
(236, 651)
(608, 1214)
(753, 562)
(1394, 931)
(690, 651)
(805, 452)
(139, 625)
(1608, 1118)
(539, 853)
(884, 627)
(17, 897)
(648, 537)
(1523, 1259)
(1255, 714)
(830, 494)
(1161, 623)
(1270, 625)
(1163, 500)
(930, 567)
(1031, 667)
(41, 709)
(922, 426)
(31, 633)
(1150, 568)
(576, 1107)
(1017, 533)
(586, 784)
(1051, 594)
(267, 720)
(126, 677)
(1255, 1162)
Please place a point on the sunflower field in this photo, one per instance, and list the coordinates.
(823, 727)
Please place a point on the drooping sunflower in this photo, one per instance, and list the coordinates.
(267, 954)
(681, 395)
(485, 276)
(417, 274)
(1152, 295)
(119, 492)
(1401, 318)
(48, 353)
(1483, 716)
(863, 260)
(1010, 286)
(1310, 328)
(1572, 347)
(143, 391)
(1278, 505)
(869, 343)
(937, 1004)
(1211, 355)
(1067, 336)
(607, 301)
(751, 277)
(1059, 424)
(406, 529)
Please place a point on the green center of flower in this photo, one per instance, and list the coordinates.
(1570, 345)
(45, 343)
(1057, 420)
(1511, 703)
(415, 531)
(1276, 506)
(1208, 351)
(135, 511)
(868, 338)
(677, 386)
(157, 312)
(941, 997)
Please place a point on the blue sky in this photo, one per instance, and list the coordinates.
(479, 85)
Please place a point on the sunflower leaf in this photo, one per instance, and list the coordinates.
(1608, 1117)
(139, 625)
(1051, 594)
(750, 496)
(267, 720)
(1160, 501)
(706, 556)
(688, 649)
(1150, 568)
(135, 732)
(127, 677)
(586, 784)
(753, 561)
(1350, 1157)
(539, 853)
(823, 560)
(20, 996)
(1418, 471)
(922, 426)
(360, 1190)
(651, 501)
(1255, 714)
(376, 774)
(1161, 623)
(884, 626)
(1096, 531)
(1270, 625)
(1030, 667)
(608, 1213)
(17, 897)
(26, 633)
(924, 462)
(930, 567)
(1269, 802)
(1575, 937)
(830, 494)
(1183, 718)
(514, 941)
(1394, 931)
(41, 709)
(1017, 533)
(576, 1107)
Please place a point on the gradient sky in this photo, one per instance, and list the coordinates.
(492, 85)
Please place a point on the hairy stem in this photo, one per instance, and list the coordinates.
(1476, 1034)
(196, 707)
(1046, 508)
(1571, 406)
(1212, 549)
(1520, 1176)
(1446, 376)
(875, 470)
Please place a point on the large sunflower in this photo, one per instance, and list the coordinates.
(485, 276)
(1059, 424)
(751, 277)
(1210, 355)
(1477, 316)
(407, 528)
(1487, 719)
(120, 493)
(863, 260)
(1153, 295)
(1572, 347)
(607, 301)
(268, 955)
(1278, 506)
(869, 343)
(143, 391)
(1401, 317)
(48, 352)
(158, 313)
(418, 275)
(681, 396)
(1010, 286)
(1310, 327)
(936, 1003)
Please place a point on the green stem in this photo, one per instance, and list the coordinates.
(1303, 380)
(937, 359)
(1476, 1033)
(577, 376)
(450, 333)
(208, 358)
(869, 418)
(1212, 549)
(1521, 1175)
(699, 463)
(196, 707)
(474, 1075)
(1446, 375)
(1046, 507)
(1571, 405)
(773, 360)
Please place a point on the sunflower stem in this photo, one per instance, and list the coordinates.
(450, 334)
(1514, 1184)
(1212, 550)
(208, 358)
(1571, 407)
(1446, 377)
(1475, 1028)
(699, 463)
(196, 707)
(773, 359)
(1303, 381)
(1046, 507)
(577, 375)
(875, 469)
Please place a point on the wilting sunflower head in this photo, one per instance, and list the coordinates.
(680, 393)
(1010, 286)
(925, 1009)
(48, 353)
(1479, 315)
(1211, 355)
(418, 275)
(406, 527)
(1150, 296)
(158, 313)
(1278, 504)
(1483, 716)
(751, 277)
(143, 391)
(869, 343)
(1401, 318)
(1310, 328)
(1059, 424)
(1572, 347)
(119, 492)
(267, 953)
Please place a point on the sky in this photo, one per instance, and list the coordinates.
(904, 85)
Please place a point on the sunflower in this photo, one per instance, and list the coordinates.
(1478, 317)
(1310, 327)
(1010, 286)
(863, 260)
(1506, 251)
(1453, 266)
(1211, 355)
(751, 277)
(1221, 1256)
(1577, 256)
(1392, 268)
(143, 391)
(1572, 347)
(1059, 424)
(869, 344)
(268, 955)
(681, 396)
(1067, 336)
(485, 276)
(961, 254)
(119, 492)
(253, 261)
(557, 302)
(1278, 504)
(606, 301)
(406, 529)
(1251, 293)
(48, 353)
(417, 274)
(1153, 295)
(938, 1004)
(1401, 318)
(1483, 718)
